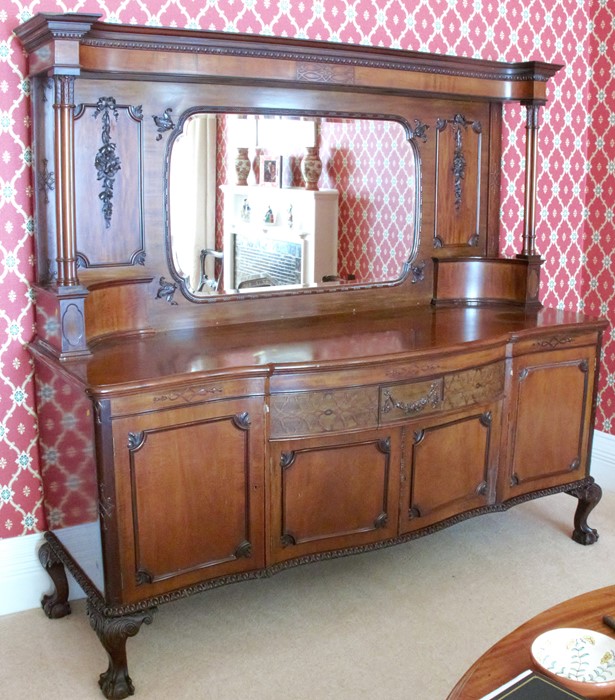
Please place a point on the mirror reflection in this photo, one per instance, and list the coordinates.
(271, 201)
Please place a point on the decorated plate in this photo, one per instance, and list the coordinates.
(581, 659)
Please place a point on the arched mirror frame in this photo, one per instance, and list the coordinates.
(415, 233)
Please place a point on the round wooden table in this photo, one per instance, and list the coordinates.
(511, 655)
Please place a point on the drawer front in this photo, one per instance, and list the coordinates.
(318, 412)
(456, 390)
(178, 396)
(556, 341)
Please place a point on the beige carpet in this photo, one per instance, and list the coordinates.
(402, 623)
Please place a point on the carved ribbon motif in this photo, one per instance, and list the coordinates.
(107, 162)
(459, 161)
(433, 397)
(459, 123)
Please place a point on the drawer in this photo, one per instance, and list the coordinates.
(410, 399)
(406, 400)
(560, 340)
(185, 394)
(316, 412)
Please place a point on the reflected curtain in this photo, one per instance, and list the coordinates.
(193, 196)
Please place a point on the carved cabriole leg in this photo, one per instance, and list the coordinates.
(113, 633)
(55, 605)
(589, 495)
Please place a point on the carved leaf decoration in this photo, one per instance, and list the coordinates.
(106, 507)
(481, 489)
(242, 421)
(166, 290)
(135, 440)
(420, 131)
(107, 162)
(418, 272)
(384, 445)
(47, 180)
(486, 419)
(244, 550)
(418, 436)
(163, 123)
(287, 540)
(144, 576)
(381, 521)
(286, 459)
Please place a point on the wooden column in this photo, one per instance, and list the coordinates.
(529, 254)
(65, 180)
(531, 154)
(68, 293)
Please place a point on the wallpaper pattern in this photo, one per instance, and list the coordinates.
(574, 227)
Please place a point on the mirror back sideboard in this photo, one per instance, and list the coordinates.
(193, 441)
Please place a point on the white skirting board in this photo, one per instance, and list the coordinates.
(23, 581)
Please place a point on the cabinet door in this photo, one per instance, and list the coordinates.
(450, 466)
(190, 494)
(333, 492)
(550, 418)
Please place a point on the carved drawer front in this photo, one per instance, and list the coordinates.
(556, 341)
(317, 412)
(444, 393)
(186, 395)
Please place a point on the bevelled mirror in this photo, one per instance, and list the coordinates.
(277, 202)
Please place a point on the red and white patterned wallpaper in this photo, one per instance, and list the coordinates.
(575, 187)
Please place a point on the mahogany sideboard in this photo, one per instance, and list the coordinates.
(195, 438)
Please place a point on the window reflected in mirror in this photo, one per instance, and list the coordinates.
(272, 202)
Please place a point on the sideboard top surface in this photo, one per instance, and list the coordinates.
(119, 365)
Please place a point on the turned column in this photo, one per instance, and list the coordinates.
(531, 156)
(69, 293)
(64, 109)
(528, 248)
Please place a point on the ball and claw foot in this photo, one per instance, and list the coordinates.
(589, 495)
(115, 684)
(113, 632)
(56, 604)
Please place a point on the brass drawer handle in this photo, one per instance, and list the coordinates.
(432, 398)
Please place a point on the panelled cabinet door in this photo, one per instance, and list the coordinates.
(450, 466)
(333, 492)
(550, 414)
(190, 494)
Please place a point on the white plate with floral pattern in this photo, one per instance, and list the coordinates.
(580, 659)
